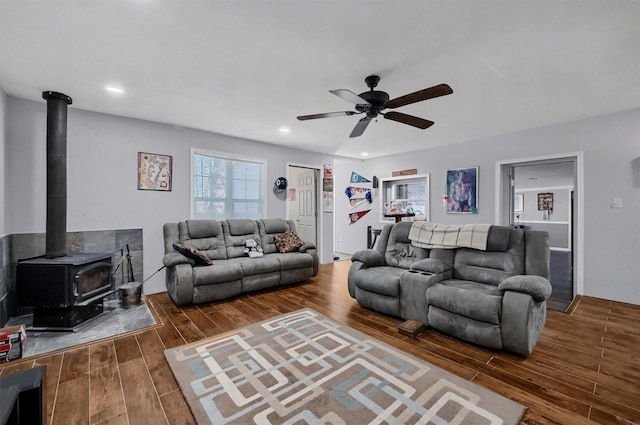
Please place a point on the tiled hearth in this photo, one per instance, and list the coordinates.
(114, 321)
(20, 246)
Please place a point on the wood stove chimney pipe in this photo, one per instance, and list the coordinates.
(56, 237)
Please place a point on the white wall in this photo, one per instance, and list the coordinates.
(3, 170)
(351, 237)
(102, 154)
(611, 148)
(561, 201)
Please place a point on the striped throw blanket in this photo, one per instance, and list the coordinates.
(447, 236)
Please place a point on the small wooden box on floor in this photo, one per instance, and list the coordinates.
(411, 328)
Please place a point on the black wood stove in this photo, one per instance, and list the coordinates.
(63, 289)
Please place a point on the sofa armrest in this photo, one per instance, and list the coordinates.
(174, 258)
(306, 246)
(537, 286)
(370, 258)
(522, 321)
(431, 265)
(179, 280)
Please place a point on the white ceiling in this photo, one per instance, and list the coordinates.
(248, 67)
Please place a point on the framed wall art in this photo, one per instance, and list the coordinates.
(154, 171)
(518, 202)
(462, 191)
(545, 201)
(327, 202)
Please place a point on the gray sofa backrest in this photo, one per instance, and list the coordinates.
(268, 227)
(509, 252)
(236, 232)
(399, 252)
(537, 248)
(203, 235)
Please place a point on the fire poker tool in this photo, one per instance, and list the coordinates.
(131, 279)
(120, 264)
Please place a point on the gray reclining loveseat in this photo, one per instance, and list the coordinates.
(232, 272)
(495, 298)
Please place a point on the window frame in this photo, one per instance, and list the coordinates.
(226, 156)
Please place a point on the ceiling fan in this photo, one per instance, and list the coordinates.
(373, 102)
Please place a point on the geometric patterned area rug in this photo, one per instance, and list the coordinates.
(304, 368)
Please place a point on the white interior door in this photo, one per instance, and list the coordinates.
(303, 210)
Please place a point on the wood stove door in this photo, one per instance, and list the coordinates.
(91, 281)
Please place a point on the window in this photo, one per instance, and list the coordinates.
(225, 186)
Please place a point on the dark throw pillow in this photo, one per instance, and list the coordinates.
(200, 258)
(287, 241)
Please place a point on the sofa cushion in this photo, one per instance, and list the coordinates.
(474, 331)
(205, 236)
(400, 252)
(236, 232)
(537, 250)
(491, 267)
(467, 299)
(258, 265)
(220, 272)
(293, 260)
(203, 228)
(296, 275)
(380, 280)
(431, 265)
(239, 227)
(470, 285)
(377, 302)
(200, 258)
(287, 241)
(275, 225)
(498, 238)
(268, 228)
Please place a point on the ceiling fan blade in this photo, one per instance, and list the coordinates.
(408, 119)
(326, 115)
(420, 95)
(360, 127)
(349, 96)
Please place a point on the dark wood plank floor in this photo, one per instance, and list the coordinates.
(584, 370)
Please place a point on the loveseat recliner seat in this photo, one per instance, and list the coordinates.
(232, 271)
(495, 297)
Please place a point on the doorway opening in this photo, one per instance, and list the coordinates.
(544, 193)
(302, 201)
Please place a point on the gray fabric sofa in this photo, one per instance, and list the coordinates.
(232, 272)
(494, 298)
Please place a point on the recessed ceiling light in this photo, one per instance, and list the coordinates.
(284, 129)
(365, 154)
(115, 90)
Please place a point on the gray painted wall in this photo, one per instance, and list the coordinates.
(4, 239)
(611, 149)
(3, 170)
(102, 154)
